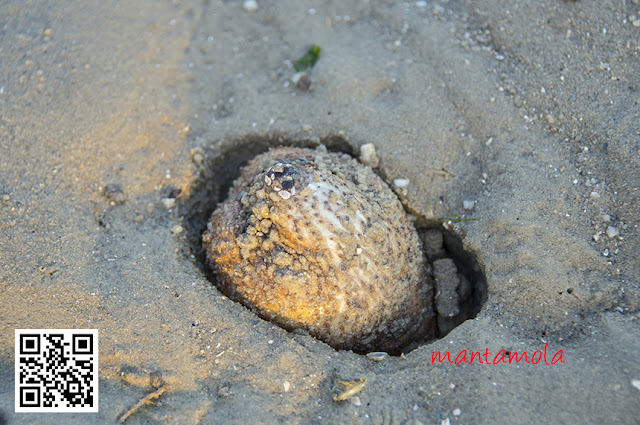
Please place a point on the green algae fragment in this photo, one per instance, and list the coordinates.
(308, 60)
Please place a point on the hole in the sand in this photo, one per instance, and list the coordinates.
(458, 284)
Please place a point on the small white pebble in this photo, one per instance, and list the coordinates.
(401, 182)
(595, 195)
(198, 158)
(306, 128)
(489, 141)
(636, 383)
(177, 229)
(169, 202)
(468, 205)
(284, 194)
(368, 155)
(250, 5)
(286, 386)
(606, 218)
(421, 3)
(456, 412)
(612, 232)
(378, 356)
(356, 401)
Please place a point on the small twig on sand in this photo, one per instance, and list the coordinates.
(146, 400)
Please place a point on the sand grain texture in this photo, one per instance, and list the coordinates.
(529, 109)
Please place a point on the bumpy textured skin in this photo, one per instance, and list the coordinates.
(317, 241)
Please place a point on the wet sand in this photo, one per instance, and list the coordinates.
(527, 111)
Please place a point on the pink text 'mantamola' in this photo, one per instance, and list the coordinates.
(500, 357)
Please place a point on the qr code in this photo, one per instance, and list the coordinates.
(56, 370)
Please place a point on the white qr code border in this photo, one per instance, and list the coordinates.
(80, 348)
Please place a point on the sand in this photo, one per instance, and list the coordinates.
(528, 111)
